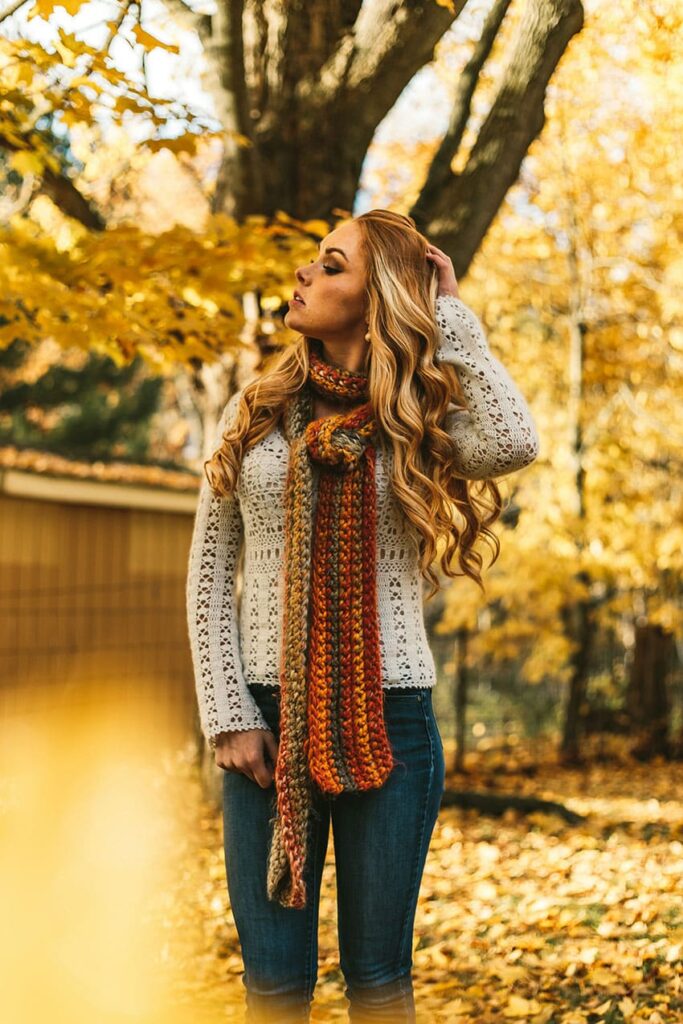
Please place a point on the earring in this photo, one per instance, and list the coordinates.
(367, 335)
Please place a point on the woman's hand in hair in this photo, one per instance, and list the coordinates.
(446, 275)
(253, 752)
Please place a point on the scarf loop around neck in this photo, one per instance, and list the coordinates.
(332, 728)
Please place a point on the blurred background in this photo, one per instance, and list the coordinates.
(164, 167)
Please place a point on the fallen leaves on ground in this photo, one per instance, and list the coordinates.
(520, 918)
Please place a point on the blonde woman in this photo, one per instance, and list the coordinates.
(335, 474)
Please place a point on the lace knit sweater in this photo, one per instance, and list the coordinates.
(235, 631)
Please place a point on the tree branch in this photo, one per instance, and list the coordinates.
(440, 167)
(12, 9)
(240, 173)
(457, 216)
(373, 63)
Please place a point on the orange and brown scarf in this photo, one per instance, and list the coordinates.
(332, 728)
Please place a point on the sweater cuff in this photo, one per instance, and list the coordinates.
(257, 721)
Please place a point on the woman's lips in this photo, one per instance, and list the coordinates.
(296, 302)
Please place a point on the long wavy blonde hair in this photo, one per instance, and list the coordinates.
(410, 394)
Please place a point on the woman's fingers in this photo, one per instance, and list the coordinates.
(433, 250)
(271, 745)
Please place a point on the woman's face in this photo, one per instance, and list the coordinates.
(332, 288)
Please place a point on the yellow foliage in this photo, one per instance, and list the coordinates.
(123, 292)
(589, 240)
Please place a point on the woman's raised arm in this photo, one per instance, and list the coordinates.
(496, 434)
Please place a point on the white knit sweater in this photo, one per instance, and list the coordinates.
(235, 637)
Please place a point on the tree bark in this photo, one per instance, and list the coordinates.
(321, 77)
(578, 623)
(461, 687)
(457, 212)
(577, 620)
(647, 698)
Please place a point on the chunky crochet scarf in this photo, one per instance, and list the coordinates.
(332, 729)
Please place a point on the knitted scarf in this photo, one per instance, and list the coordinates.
(332, 729)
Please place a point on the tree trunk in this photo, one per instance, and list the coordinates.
(579, 627)
(577, 620)
(301, 90)
(461, 685)
(647, 696)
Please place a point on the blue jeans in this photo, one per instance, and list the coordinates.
(381, 840)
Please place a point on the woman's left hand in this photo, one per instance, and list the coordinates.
(446, 275)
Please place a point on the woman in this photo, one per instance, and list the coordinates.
(336, 473)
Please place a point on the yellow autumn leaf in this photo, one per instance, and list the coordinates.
(25, 162)
(627, 1007)
(77, 46)
(186, 143)
(517, 1007)
(150, 42)
(45, 8)
(603, 976)
(84, 80)
(316, 227)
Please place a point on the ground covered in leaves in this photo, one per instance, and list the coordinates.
(520, 918)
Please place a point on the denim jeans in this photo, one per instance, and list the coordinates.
(381, 839)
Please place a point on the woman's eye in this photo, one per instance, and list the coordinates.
(329, 270)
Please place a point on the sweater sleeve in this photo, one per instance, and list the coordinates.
(496, 434)
(224, 700)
